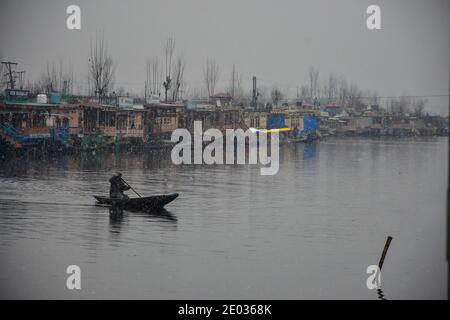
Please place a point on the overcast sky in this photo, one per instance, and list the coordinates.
(274, 40)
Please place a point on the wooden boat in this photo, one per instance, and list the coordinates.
(137, 204)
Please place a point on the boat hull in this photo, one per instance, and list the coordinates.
(137, 204)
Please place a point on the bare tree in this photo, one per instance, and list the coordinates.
(64, 80)
(399, 105)
(184, 90)
(354, 97)
(233, 81)
(239, 91)
(154, 75)
(148, 79)
(60, 74)
(197, 92)
(304, 92)
(178, 76)
(375, 99)
(157, 76)
(68, 81)
(169, 49)
(121, 91)
(89, 89)
(53, 79)
(313, 82)
(419, 106)
(343, 92)
(371, 98)
(404, 104)
(210, 74)
(331, 89)
(48, 79)
(235, 88)
(101, 66)
(262, 93)
(276, 95)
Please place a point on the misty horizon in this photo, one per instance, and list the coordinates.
(275, 42)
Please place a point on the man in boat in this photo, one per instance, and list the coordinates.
(118, 186)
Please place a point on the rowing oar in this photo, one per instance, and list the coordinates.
(131, 188)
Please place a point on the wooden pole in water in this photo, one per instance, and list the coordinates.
(383, 255)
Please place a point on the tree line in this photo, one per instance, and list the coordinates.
(165, 80)
(338, 91)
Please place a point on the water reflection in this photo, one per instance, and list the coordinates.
(380, 294)
(309, 152)
(117, 214)
(233, 232)
(162, 214)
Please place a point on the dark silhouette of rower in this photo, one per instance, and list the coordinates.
(118, 186)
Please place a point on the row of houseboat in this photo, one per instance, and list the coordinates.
(87, 123)
(90, 123)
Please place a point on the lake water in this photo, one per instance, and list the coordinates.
(308, 232)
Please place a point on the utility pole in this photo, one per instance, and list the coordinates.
(254, 94)
(65, 87)
(233, 76)
(145, 92)
(10, 72)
